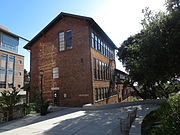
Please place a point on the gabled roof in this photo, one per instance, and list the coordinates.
(58, 18)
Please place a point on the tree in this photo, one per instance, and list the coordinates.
(27, 84)
(152, 56)
(8, 101)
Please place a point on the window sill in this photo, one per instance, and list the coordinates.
(66, 50)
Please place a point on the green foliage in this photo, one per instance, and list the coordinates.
(32, 107)
(148, 126)
(169, 114)
(173, 5)
(8, 101)
(167, 117)
(36, 98)
(9, 98)
(152, 56)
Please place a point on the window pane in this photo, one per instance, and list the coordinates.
(10, 76)
(69, 38)
(3, 60)
(95, 69)
(9, 43)
(95, 42)
(92, 40)
(61, 41)
(11, 62)
(2, 75)
(55, 72)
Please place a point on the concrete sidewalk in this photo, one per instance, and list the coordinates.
(70, 121)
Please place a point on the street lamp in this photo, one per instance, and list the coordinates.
(41, 72)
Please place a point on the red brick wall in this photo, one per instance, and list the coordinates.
(74, 74)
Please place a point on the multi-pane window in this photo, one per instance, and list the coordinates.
(11, 71)
(3, 64)
(9, 43)
(10, 78)
(65, 40)
(55, 73)
(98, 73)
(92, 40)
(97, 96)
(95, 42)
(103, 93)
(3, 61)
(61, 41)
(11, 62)
(69, 38)
(100, 46)
(2, 75)
(102, 71)
(94, 68)
(100, 65)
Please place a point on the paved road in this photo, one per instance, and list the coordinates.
(70, 121)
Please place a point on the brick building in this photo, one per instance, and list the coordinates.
(77, 59)
(11, 63)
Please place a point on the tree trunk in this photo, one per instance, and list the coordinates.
(138, 93)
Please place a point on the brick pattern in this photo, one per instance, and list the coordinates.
(76, 83)
(74, 64)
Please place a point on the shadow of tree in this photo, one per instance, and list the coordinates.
(101, 122)
(28, 120)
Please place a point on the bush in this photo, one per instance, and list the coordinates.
(167, 117)
(169, 113)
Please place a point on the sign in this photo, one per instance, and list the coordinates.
(55, 88)
(83, 95)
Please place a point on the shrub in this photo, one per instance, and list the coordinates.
(165, 120)
(169, 114)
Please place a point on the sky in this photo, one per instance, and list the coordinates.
(118, 18)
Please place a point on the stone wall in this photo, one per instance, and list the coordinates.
(18, 112)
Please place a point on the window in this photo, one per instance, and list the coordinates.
(2, 75)
(3, 61)
(95, 42)
(11, 62)
(55, 73)
(100, 65)
(99, 93)
(9, 43)
(69, 38)
(96, 90)
(19, 74)
(11, 76)
(92, 40)
(61, 41)
(95, 69)
(102, 93)
(102, 48)
(102, 71)
(99, 44)
(19, 62)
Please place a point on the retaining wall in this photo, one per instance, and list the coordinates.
(123, 104)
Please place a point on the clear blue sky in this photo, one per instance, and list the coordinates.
(27, 17)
